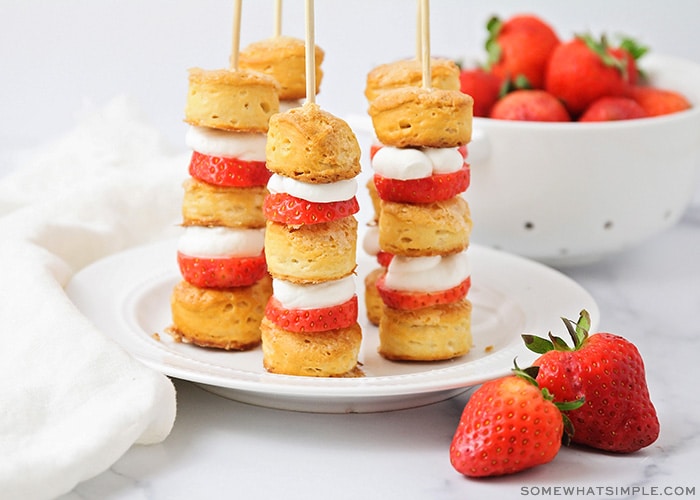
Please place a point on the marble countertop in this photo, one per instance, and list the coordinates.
(225, 449)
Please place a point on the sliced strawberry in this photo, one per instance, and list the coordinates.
(399, 299)
(437, 187)
(312, 320)
(384, 258)
(231, 172)
(221, 272)
(287, 209)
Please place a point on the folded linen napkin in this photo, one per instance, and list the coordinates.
(71, 400)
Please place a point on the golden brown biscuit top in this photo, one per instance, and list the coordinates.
(234, 78)
(276, 48)
(321, 130)
(409, 73)
(422, 97)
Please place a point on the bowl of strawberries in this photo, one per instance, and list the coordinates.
(581, 148)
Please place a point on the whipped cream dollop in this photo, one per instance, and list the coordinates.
(370, 241)
(317, 193)
(428, 274)
(326, 294)
(218, 242)
(413, 163)
(213, 142)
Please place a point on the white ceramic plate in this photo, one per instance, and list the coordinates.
(127, 296)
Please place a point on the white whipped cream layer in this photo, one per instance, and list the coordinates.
(326, 294)
(370, 241)
(218, 242)
(427, 274)
(413, 163)
(242, 145)
(317, 193)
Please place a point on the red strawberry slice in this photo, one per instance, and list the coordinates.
(230, 172)
(221, 272)
(437, 187)
(399, 299)
(384, 258)
(287, 209)
(313, 320)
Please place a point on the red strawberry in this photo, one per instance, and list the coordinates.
(312, 320)
(629, 52)
(583, 70)
(223, 272)
(508, 425)
(519, 48)
(530, 105)
(612, 108)
(657, 102)
(400, 299)
(287, 209)
(483, 86)
(384, 258)
(231, 172)
(437, 187)
(608, 372)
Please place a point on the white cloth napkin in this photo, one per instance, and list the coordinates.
(71, 400)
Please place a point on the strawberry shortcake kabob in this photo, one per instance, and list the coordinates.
(310, 326)
(424, 221)
(225, 285)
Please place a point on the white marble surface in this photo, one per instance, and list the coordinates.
(223, 449)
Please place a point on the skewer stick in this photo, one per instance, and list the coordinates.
(419, 30)
(236, 38)
(425, 40)
(310, 54)
(278, 18)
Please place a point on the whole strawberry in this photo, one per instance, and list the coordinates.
(508, 425)
(530, 105)
(656, 101)
(518, 49)
(583, 70)
(483, 86)
(608, 372)
(608, 109)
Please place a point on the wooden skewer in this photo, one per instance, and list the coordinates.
(278, 18)
(419, 30)
(236, 37)
(310, 54)
(425, 40)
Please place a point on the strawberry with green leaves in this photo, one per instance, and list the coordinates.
(608, 372)
(585, 69)
(518, 49)
(509, 425)
(483, 86)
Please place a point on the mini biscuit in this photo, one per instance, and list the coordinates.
(332, 353)
(240, 100)
(432, 333)
(208, 205)
(311, 145)
(311, 253)
(225, 319)
(284, 59)
(373, 302)
(421, 230)
(444, 74)
(420, 117)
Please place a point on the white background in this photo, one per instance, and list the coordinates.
(60, 58)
